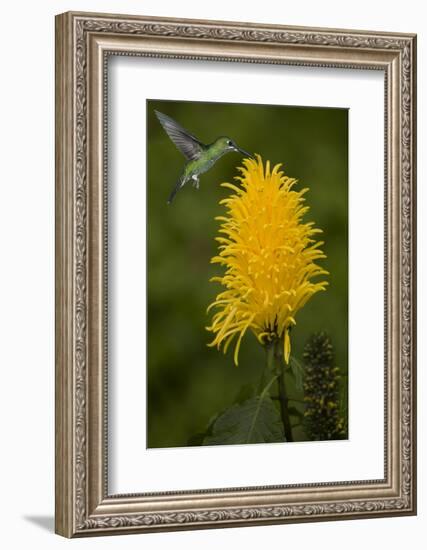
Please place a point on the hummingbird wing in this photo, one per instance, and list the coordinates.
(188, 144)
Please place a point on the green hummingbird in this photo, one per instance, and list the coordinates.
(200, 157)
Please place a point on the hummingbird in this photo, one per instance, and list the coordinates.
(200, 157)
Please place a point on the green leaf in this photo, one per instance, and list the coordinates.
(196, 439)
(246, 392)
(256, 420)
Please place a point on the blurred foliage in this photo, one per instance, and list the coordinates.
(188, 383)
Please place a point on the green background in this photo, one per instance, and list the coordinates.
(188, 383)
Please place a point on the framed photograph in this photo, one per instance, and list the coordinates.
(235, 274)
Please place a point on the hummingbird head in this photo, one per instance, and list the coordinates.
(229, 145)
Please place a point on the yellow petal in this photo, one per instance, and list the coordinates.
(268, 256)
(287, 347)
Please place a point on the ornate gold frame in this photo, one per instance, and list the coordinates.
(83, 42)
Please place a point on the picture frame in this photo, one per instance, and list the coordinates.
(84, 42)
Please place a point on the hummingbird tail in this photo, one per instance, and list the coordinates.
(180, 183)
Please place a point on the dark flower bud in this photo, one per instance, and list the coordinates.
(322, 417)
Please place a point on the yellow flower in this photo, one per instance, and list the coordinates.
(269, 256)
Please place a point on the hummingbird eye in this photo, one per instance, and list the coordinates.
(229, 142)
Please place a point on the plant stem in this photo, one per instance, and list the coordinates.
(271, 350)
(283, 400)
(268, 367)
(283, 397)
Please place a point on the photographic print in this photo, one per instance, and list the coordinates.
(247, 259)
(235, 274)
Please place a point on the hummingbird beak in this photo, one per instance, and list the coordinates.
(243, 152)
